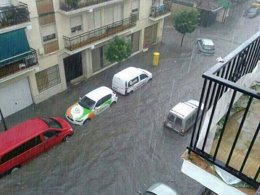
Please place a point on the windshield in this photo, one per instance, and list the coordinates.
(171, 117)
(51, 123)
(87, 103)
(149, 193)
(208, 47)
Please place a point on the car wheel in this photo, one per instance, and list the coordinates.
(65, 138)
(114, 102)
(14, 169)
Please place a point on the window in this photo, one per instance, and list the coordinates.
(178, 122)
(21, 149)
(86, 102)
(76, 29)
(49, 37)
(75, 24)
(106, 98)
(48, 32)
(51, 123)
(99, 103)
(50, 134)
(133, 81)
(48, 78)
(143, 76)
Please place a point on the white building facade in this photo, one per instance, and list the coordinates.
(68, 43)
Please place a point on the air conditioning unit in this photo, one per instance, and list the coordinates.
(22, 66)
(41, 51)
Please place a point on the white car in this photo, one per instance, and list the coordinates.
(130, 79)
(90, 105)
(160, 189)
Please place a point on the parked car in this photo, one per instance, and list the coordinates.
(30, 138)
(160, 189)
(252, 12)
(182, 116)
(130, 79)
(206, 46)
(90, 105)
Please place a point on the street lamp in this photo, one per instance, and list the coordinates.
(3, 119)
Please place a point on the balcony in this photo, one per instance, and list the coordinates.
(51, 46)
(159, 12)
(13, 15)
(84, 39)
(85, 3)
(226, 135)
(20, 63)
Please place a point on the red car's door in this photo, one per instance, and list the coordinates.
(51, 138)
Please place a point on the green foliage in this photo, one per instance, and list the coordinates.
(224, 3)
(72, 3)
(186, 21)
(118, 50)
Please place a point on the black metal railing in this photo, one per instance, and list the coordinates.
(86, 38)
(157, 11)
(20, 63)
(13, 15)
(219, 79)
(68, 7)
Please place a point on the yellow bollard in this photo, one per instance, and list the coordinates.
(156, 56)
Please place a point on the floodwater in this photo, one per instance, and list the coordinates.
(126, 149)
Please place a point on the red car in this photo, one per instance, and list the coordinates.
(30, 138)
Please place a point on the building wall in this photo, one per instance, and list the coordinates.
(89, 20)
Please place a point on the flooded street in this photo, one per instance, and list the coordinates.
(126, 148)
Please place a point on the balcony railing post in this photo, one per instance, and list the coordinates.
(211, 117)
(198, 113)
(239, 130)
(224, 125)
(250, 147)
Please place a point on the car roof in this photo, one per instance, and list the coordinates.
(20, 133)
(184, 109)
(98, 93)
(128, 73)
(207, 42)
(161, 189)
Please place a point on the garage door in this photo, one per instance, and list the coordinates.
(15, 97)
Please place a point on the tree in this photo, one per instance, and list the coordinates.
(185, 21)
(72, 3)
(118, 50)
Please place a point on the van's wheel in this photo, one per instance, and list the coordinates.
(114, 102)
(65, 138)
(14, 169)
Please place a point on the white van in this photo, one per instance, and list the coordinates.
(130, 79)
(182, 116)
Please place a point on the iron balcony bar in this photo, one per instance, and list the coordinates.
(217, 80)
(157, 11)
(66, 7)
(86, 38)
(13, 15)
(12, 67)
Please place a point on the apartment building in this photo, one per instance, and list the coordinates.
(223, 154)
(46, 44)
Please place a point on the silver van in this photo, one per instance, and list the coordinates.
(182, 116)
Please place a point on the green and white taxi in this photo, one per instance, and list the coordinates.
(90, 105)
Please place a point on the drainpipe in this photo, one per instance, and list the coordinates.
(3, 119)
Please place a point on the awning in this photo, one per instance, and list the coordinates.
(13, 47)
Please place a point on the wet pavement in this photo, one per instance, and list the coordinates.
(126, 149)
